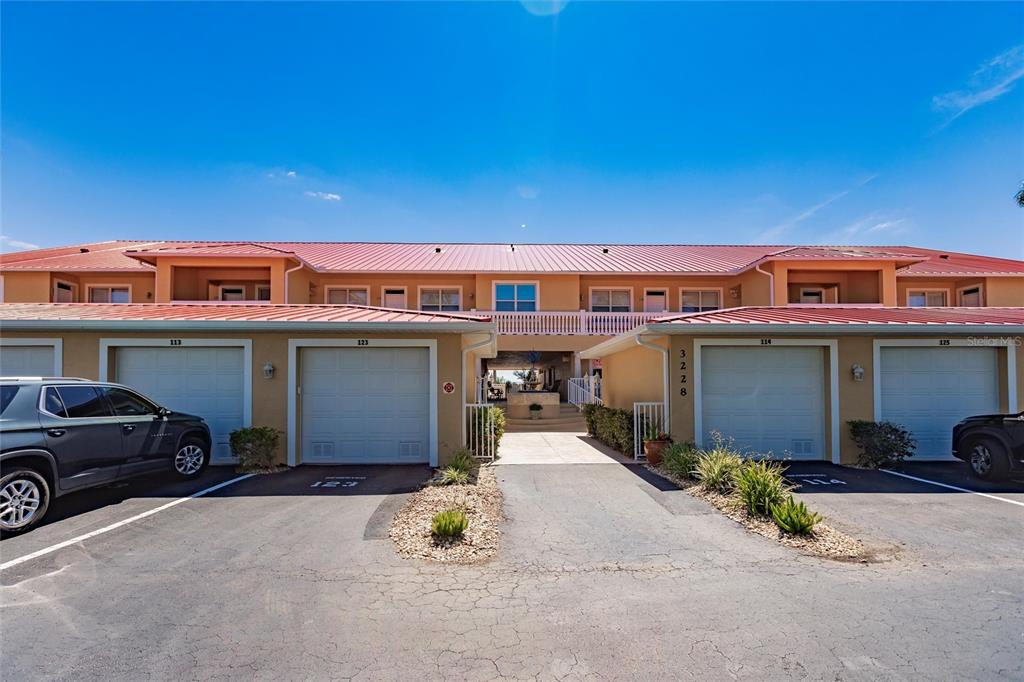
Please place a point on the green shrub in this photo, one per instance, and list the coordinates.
(451, 475)
(450, 523)
(462, 460)
(480, 416)
(536, 407)
(680, 459)
(882, 444)
(610, 426)
(254, 446)
(760, 486)
(793, 517)
(715, 468)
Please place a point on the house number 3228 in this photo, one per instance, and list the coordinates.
(682, 368)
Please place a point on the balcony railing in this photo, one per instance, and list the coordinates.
(577, 323)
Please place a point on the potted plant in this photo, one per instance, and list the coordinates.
(655, 442)
(535, 410)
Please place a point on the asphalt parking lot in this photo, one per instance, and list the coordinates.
(603, 573)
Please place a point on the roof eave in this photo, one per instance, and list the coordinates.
(247, 326)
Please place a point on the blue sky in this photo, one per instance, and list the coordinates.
(686, 123)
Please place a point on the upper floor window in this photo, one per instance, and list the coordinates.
(64, 292)
(969, 296)
(348, 295)
(812, 295)
(433, 298)
(925, 298)
(262, 292)
(515, 297)
(611, 300)
(699, 300)
(110, 295)
(232, 293)
(655, 301)
(393, 297)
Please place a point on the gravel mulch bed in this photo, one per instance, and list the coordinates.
(825, 541)
(481, 502)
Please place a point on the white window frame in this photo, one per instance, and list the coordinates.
(960, 293)
(440, 287)
(1009, 380)
(720, 290)
(590, 299)
(804, 291)
(926, 291)
(222, 287)
(536, 291)
(832, 433)
(347, 287)
(268, 290)
(74, 290)
(405, 294)
(293, 382)
(664, 291)
(90, 287)
(55, 343)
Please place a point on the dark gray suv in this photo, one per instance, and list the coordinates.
(62, 435)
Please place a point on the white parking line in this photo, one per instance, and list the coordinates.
(953, 487)
(115, 526)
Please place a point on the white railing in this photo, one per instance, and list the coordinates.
(584, 391)
(648, 422)
(575, 323)
(480, 431)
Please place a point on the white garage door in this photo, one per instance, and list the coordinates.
(768, 399)
(928, 390)
(27, 361)
(205, 381)
(365, 405)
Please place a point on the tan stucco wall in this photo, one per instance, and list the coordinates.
(270, 396)
(672, 284)
(633, 375)
(754, 288)
(27, 287)
(1004, 291)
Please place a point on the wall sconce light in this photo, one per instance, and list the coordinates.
(858, 372)
(268, 370)
(734, 292)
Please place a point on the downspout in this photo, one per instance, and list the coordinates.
(492, 337)
(286, 273)
(664, 376)
(771, 284)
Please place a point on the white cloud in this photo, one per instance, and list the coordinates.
(326, 196)
(774, 233)
(988, 83)
(282, 174)
(528, 191)
(875, 225)
(7, 244)
(290, 174)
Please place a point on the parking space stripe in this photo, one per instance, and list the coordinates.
(953, 487)
(119, 524)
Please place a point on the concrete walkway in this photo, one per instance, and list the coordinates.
(556, 448)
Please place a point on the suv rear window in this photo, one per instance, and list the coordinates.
(7, 393)
(83, 401)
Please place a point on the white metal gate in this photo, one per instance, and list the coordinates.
(584, 391)
(648, 422)
(480, 431)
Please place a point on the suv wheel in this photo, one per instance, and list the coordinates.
(24, 498)
(987, 459)
(191, 458)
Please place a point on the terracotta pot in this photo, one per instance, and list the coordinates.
(653, 450)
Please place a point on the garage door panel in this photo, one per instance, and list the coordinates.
(765, 399)
(206, 381)
(27, 361)
(928, 390)
(370, 405)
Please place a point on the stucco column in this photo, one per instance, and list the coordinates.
(781, 273)
(277, 269)
(887, 285)
(164, 291)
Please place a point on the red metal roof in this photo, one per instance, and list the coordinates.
(223, 312)
(847, 315)
(364, 257)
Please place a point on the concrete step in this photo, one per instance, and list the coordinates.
(545, 427)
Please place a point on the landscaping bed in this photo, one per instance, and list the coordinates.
(479, 499)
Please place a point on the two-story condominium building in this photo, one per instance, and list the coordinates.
(370, 351)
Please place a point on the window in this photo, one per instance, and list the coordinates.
(232, 293)
(109, 295)
(7, 393)
(813, 296)
(128, 404)
(262, 292)
(698, 301)
(79, 402)
(611, 300)
(63, 292)
(394, 297)
(655, 301)
(348, 296)
(921, 299)
(440, 299)
(515, 297)
(970, 297)
(53, 404)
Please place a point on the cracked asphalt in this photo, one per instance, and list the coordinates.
(604, 573)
